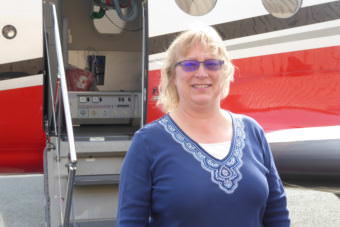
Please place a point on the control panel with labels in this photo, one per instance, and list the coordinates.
(105, 107)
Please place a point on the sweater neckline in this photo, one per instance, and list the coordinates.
(232, 140)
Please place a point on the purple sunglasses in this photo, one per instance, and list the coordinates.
(193, 65)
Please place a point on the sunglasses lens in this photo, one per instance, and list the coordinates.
(213, 64)
(193, 65)
(190, 65)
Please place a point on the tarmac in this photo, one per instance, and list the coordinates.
(22, 204)
(22, 201)
(310, 208)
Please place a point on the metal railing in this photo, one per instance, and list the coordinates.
(72, 166)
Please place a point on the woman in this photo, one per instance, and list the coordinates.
(200, 166)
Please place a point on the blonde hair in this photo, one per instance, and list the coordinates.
(206, 37)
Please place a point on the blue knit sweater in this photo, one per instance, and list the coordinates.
(168, 180)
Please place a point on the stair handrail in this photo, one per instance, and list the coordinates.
(68, 120)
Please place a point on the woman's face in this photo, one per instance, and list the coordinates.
(201, 87)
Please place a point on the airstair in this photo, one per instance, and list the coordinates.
(94, 187)
(84, 152)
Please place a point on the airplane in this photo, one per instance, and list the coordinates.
(109, 55)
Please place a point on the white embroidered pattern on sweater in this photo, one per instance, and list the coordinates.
(225, 173)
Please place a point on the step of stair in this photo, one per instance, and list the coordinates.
(92, 223)
(91, 180)
(97, 148)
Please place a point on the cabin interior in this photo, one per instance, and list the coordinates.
(104, 70)
(104, 67)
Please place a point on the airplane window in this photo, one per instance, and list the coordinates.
(196, 7)
(9, 31)
(282, 9)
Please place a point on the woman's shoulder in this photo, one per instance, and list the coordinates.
(151, 135)
(249, 122)
(151, 128)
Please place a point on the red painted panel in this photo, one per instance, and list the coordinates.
(281, 91)
(21, 130)
(153, 112)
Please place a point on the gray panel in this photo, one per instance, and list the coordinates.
(104, 107)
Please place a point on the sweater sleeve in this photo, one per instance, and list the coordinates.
(135, 186)
(276, 213)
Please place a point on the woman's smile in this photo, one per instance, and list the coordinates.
(201, 85)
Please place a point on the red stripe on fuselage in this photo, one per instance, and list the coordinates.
(21, 130)
(281, 91)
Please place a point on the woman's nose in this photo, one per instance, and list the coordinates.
(201, 71)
